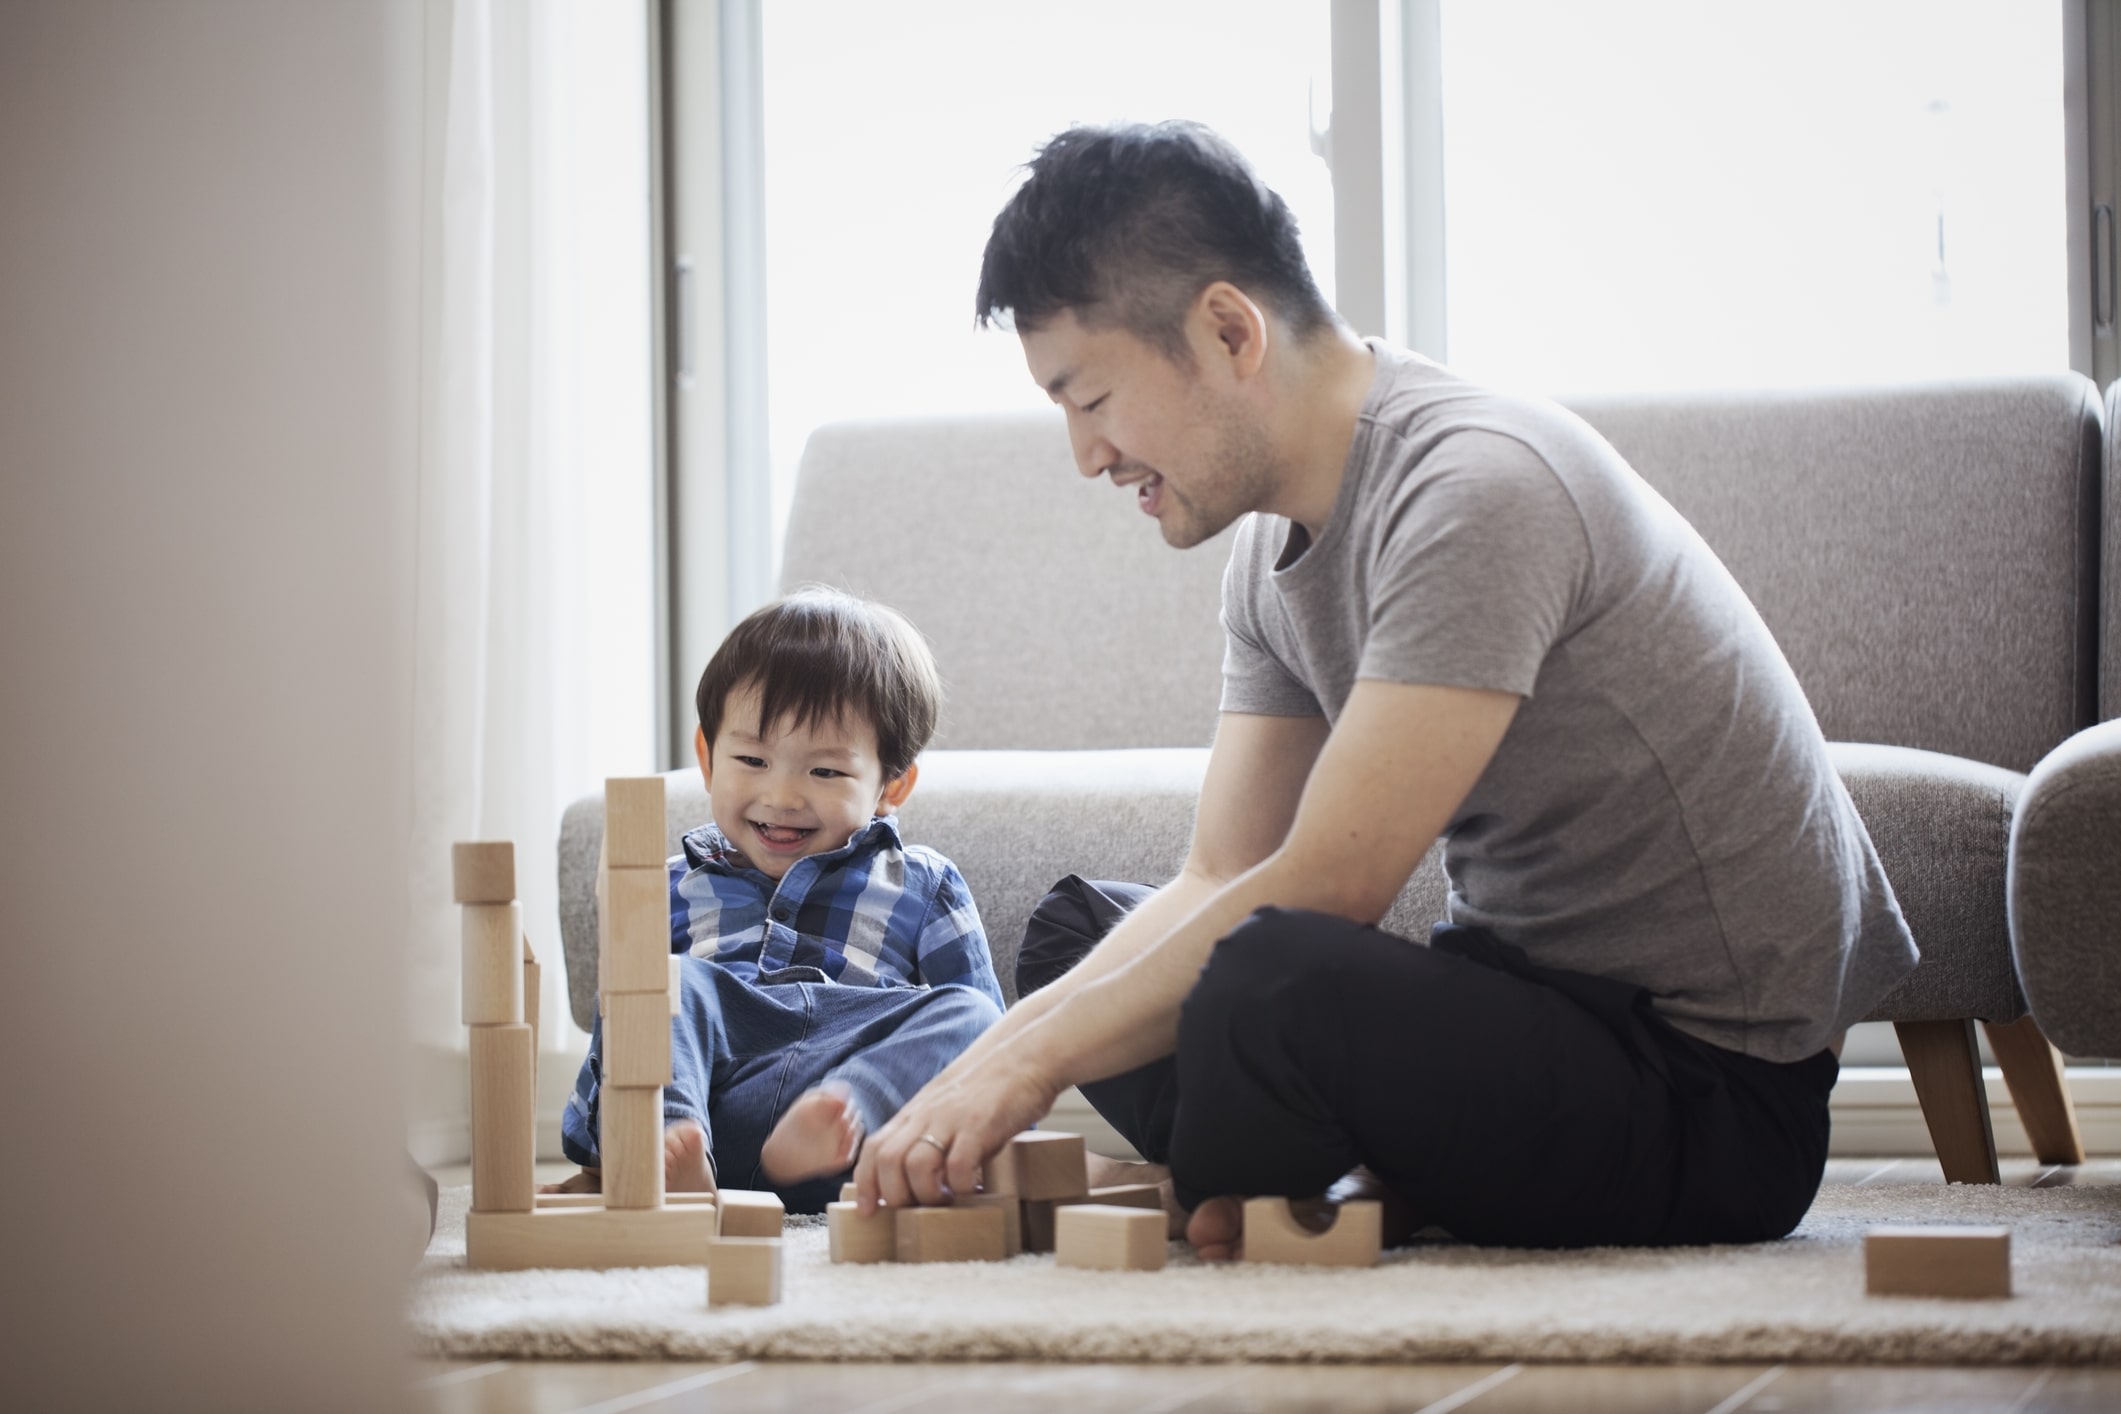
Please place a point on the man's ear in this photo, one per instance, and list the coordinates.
(896, 790)
(1234, 325)
(699, 749)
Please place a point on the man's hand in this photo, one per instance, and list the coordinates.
(932, 1149)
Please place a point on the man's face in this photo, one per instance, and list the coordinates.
(1192, 453)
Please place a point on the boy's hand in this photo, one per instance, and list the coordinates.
(932, 1149)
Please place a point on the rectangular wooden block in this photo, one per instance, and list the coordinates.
(750, 1213)
(854, 1238)
(483, 871)
(589, 1237)
(1272, 1234)
(1036, 1219)
(1012, 1211)
(570, 1200)
(630, 1145)
(533, 988)
(1110, 1238)
(1039, 1165)
(636, 1039)
(744, 1271)
(633, 931)
(1129, 1195)
(493, 971)
(950, 1235)
(503, 1119)
(1937, 1261)
(633, 821)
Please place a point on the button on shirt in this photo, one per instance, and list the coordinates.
(875, 912)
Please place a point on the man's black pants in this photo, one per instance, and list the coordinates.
(1507, 1103)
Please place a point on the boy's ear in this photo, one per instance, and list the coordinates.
(896, 790)
(699, 749)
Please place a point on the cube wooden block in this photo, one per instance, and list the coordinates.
(1040, 1165)
(483, 871)
(636, 1039)
(676, 985)
(1272, 1234)
(1937, 1261)
(633, 931)
(633, 822)
(630, 1145)
(1012, 1211)
(950, 1235)
(744, 1271)
(589, 1237)
(1109, 1238)
(750, 1213)
(503, 1119)
(493, 966)
(854, 1238)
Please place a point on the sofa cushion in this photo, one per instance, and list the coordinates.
(2065, 892)
(1926, 556)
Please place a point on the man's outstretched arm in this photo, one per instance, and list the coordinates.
(1387, 781)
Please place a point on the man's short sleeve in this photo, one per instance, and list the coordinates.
(1478, 571)
(1255, 680)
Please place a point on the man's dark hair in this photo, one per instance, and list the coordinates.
(1125, 225)
(821, 655)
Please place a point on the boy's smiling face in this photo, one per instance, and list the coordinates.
(784, 791)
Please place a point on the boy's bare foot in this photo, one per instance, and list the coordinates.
(817, 1136)
(587, 1181)
(686, 1167)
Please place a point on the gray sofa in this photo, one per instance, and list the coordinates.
(1926, 556)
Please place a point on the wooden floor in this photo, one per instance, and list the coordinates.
(593, 1387)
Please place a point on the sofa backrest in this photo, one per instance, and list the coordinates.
(1926, 556)
(2110, 566)
(1059, 617)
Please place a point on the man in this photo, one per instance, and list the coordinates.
(1448, 613)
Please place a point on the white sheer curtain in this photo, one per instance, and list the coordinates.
(535, 603)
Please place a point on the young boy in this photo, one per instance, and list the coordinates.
(830, 970)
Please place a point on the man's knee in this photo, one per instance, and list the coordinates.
(1069, 921)
(1284, 965)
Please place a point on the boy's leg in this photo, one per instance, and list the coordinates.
(1505, 1103)
(1068, 922)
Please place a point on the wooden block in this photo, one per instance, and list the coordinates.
(636, 1039)
(630, 1144)
(633, 822)
(1272, 1234)
(677, 983)
(503, 1120)
(950, 1235)
(1937, 1261)
(533, 988)
(681, 1200)
(854, 1238)
(744, 1271)
(750, 1213)
(570, 1200)
(1012, 1211)
(1036, 1218)
(493, 973)
(633, 931)
(1109, 1237)
(847, 1192)
(589, 1237)
(1129, 1195)
(1037, 1165)
(483, 871)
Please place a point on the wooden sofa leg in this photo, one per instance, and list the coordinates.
(2032, 1067)
(1946, 1068)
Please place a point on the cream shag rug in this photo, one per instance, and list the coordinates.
(1800, 1299)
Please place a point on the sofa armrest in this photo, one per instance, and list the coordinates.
(2065, 892)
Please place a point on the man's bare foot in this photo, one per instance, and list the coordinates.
(587, 1181)
(686, 1167)
(1215, 1229)
(817, 1136)
(1111, 1173)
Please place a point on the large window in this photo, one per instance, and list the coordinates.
(893, 135)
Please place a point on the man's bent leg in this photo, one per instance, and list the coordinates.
(1501, 1108)
(1068, 922)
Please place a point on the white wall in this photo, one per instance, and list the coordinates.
(208, 289)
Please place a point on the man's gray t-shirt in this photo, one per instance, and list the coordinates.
(1662, 810)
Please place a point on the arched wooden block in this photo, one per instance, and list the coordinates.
(1272, 1234)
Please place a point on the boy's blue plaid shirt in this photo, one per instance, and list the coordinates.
(875, 912)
